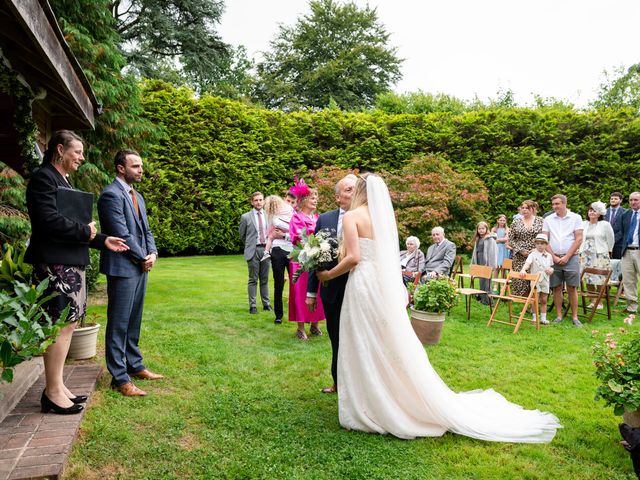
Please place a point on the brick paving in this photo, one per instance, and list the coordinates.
(36, 445)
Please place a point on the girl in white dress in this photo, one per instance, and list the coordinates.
(385, 381)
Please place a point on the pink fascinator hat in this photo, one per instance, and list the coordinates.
(299, 189)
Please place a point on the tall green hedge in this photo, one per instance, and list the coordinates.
(214, 153)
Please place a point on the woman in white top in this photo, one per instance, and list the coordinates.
(597, 244)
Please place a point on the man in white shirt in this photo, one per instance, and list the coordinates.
(253, 233)
(563, 228)
(631, 252)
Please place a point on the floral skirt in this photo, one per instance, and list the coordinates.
(590, 259)
(69, 284)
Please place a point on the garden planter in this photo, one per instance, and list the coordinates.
(632, 418)
(427, 325)
(83, 342)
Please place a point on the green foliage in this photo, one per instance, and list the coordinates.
(13, 267)
(214, 153)
(90, 31)
(436, 296)
(617, 364)
(339, 52)
(14, 222)
(176, 41)
(92, 273)
(620, 89)
(419, 102)
(25, 328)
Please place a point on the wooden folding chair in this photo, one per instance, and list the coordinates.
(615, 281)
(475, 271)
(601, 293)
(457, 271)
(506, 296)
(502, 273)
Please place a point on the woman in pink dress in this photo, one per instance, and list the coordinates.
(303, 220)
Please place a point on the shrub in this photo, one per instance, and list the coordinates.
(437, 296)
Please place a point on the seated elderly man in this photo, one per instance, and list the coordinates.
(411, 260)
(440, 256)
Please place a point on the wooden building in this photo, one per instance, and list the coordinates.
(33, 47)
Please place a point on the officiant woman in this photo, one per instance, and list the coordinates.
(59, 250)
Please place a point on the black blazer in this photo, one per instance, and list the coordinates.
(55, 239)
(626, 220)
(336, 286)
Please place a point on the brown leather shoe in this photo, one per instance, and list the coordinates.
(130, 390)
(332, 389)
(146, 375)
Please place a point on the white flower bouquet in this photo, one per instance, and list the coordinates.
(314, 252)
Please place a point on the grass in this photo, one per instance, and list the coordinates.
(241, 398)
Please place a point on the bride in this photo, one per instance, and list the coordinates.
(385, 381)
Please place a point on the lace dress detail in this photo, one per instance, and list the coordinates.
(386, 383)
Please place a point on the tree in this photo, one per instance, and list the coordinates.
(337, 52)
(90, 31)
(620, 89)
(175, 40)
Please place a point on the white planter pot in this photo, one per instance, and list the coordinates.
(83, 343)
(427, 325)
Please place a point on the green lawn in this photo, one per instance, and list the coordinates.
(242, 397)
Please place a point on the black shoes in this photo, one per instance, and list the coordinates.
(277, 321)
(253, 311)
(79, 399)
(267, 308)
(47, 406)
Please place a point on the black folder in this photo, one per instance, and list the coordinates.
(75, 205)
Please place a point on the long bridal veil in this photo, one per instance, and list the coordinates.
(386, 382)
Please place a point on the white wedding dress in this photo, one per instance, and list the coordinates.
(385, 381)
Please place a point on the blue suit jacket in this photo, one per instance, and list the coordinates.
(118, 218)
(626, 220)
(328, 221)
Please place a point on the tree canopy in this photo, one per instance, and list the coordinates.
(339, 54)
(176, 40)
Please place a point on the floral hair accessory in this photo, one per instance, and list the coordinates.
(299, 189)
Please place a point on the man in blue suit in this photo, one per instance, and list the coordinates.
(333, 293)
(614, 217)
(121, 209)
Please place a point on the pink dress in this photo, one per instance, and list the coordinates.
(298, 311)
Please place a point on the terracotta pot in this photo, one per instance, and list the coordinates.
(632, 418)
(83, 342)
(427, 325)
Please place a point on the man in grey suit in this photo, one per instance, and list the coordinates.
(440, 255)
(253, 233)
(121, 209)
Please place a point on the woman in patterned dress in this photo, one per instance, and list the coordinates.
(522, 233)
(59, 251)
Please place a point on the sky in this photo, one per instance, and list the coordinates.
(469, 48)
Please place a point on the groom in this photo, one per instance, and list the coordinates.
(333, 293)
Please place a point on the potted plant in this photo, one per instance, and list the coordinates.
(431, 301)
(84, 340)
(617, 363)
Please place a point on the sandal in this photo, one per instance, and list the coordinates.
(302, 335)
(315, 331)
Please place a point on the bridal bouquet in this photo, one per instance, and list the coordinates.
(314, 252)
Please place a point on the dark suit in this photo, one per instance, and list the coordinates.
(332, 294)
(617, 230)
(55, 239)
(630, 263)
(126, 282)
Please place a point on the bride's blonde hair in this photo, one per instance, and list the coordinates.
(358, 199)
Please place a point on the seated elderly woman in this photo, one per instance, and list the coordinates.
(411, 260)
